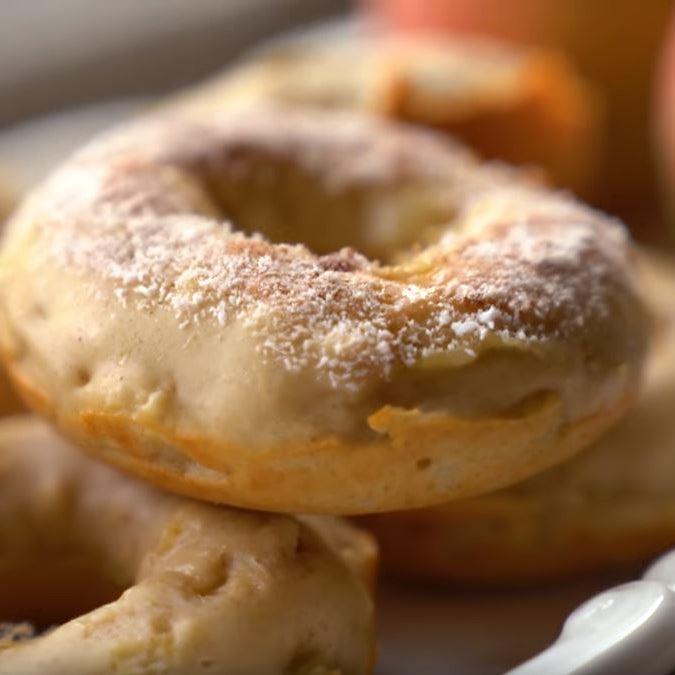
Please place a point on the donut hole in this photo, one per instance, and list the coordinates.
(287, 203)
(45, 593)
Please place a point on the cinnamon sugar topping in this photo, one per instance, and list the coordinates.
(514, 265)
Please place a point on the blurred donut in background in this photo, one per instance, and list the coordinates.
(521, 105)
(616, 49)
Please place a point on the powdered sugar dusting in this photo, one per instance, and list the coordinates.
(518, 265)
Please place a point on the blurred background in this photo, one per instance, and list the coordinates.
(70, 52)
(66, 52)
(596, 115)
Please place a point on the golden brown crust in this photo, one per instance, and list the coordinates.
(9, 401)
(610, 507)
(203, 586)
(486, 447)
(267, 375)
(8, 198)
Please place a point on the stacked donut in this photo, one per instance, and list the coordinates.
(7, 197)
(280, 308)
(9, 402)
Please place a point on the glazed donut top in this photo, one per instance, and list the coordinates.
(152, 263)
(208, 589)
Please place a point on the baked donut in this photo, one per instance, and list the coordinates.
(612, 506)
(9, 401)
(526, 106)
(147, 308)
(208, 588)
(7, 197)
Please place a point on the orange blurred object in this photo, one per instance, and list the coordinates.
(665, 118)
(615, 45)
(551, 119)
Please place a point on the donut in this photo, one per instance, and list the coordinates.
(9, 401)
(448, 329)
(526, 106)
(7, 197)
(141, 581)
(609, 508)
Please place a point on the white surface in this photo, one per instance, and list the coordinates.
(29, 149)
(434, 632)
